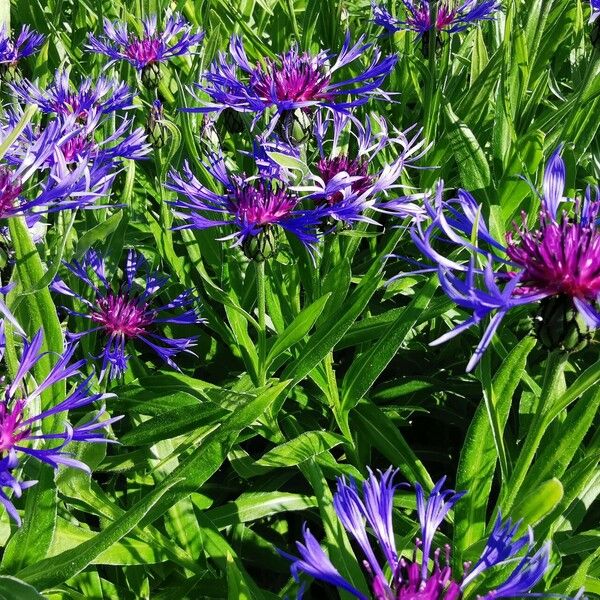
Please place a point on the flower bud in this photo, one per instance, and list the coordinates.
(294, 126)
(262, 246)
(10, 73)
(155, 126)
(151, 75)
(560, 326)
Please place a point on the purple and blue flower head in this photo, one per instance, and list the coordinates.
(147, 51)
(254, 206)
(368, 188)
(128, 312)
(89, 98)
(292, 83)
(12, 51)
(397, 577)
(556, 262)
(21, 433)
(78, 145)
(62, 189)
(448, 16)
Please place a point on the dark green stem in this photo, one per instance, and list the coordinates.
(262, 332)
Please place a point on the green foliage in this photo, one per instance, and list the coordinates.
(324, 370)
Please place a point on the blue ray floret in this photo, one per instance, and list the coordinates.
(25, 44)
(559, 259)
(366, 513)
(153, 46)
(293, 80)
(129, 312)
(84, 100)
(447, 16)
(84, 140)
(60, 189)
(252, 205)
(21, 433)
(367, 188)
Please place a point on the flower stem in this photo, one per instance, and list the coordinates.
(261, 299)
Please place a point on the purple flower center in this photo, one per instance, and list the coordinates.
(10, 422)
(328, 168)
(421, 21)
(297, 78)
(407, 583)
(144, 51)
(445, 16)
(121, 315)
(75, 147)
(70, 105)
(10, 188)
(259, 204)
(560, 257)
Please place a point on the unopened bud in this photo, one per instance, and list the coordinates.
(560, 326)
(294, 126)
(10, 73)
(262, 246)
(151, 75)
(155, 126)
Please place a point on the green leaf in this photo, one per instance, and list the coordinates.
(53, 571)
(237, 588)
(127, 551)
(472, 164)
(216, 546)
(367, 367)
(35, 311)
(297, 329)
(14, 589)
(289, 162)
(32, 540)
(539, 502)
(586, 380)
(308, 444)
(384, 435)
(212, 452)
(479, 457)
(564, 441)
(253, 506)
(174, 423)
(17, 129)
(98, 233)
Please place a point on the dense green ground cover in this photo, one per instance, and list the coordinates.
(220, 464)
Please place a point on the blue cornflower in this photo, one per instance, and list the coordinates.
(13, 50)
(89, 97)
(294, 80)
(129, 311)
(367, 188)
(65, 189)
(83, 140)
(21, 431)
(558, 263)
(400, 578)
(254, 206)
(153, 47)
(447, 17)
(83, 148)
